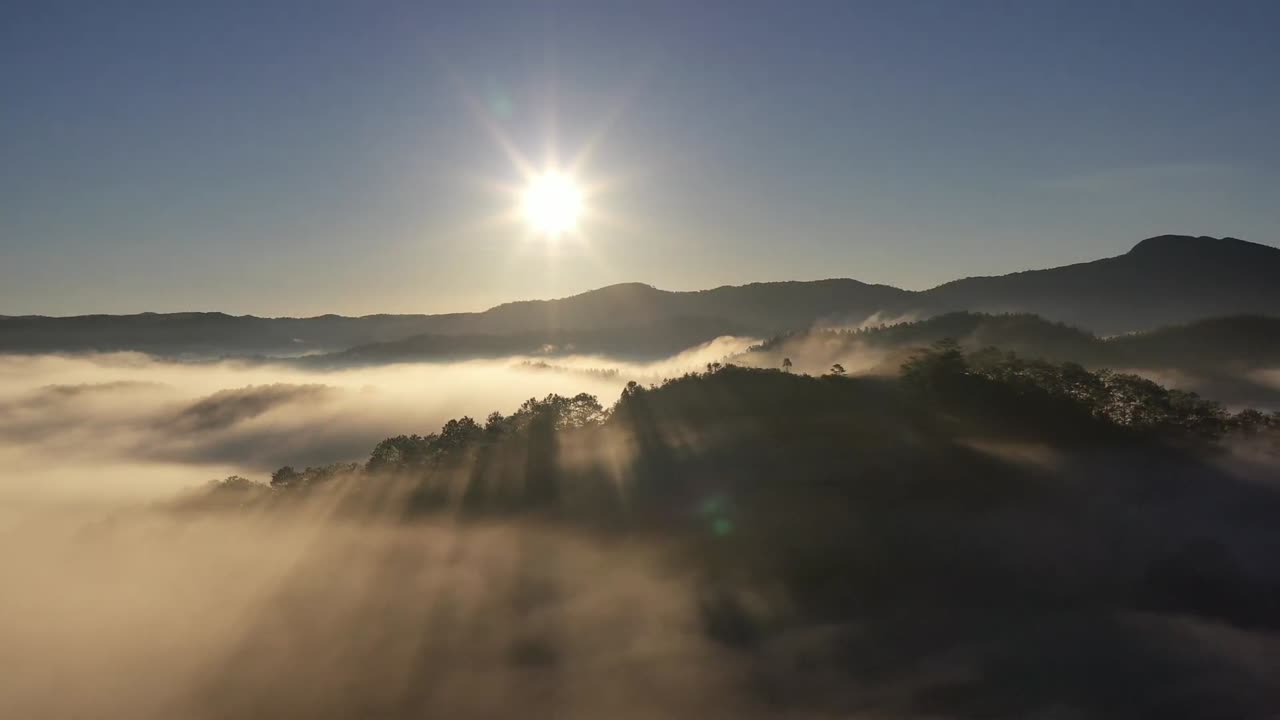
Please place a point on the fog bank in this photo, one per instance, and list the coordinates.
(77, 427)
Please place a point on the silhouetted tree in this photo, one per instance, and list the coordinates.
(402, 452)
(542, 450)
(235, 483)
(284, 477)
(312, 476)
(936, 368)
(457, 434)
(1252, 421)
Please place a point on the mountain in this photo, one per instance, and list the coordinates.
(757, 308)
(1023, 333)
(1224, 358)
(203, 333)
(1227, 344)
(1237, 343)
(1161, 281)
(638, 342)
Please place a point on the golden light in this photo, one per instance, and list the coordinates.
(552, 204)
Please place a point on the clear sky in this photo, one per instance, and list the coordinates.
(300, 158)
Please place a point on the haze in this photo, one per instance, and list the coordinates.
(124, 426)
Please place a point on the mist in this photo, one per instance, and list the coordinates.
(144, 614)
(151, 612)
(759, 582)
(127, 425)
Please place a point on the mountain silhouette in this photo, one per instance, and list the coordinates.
(758, 307)
(639, 342)
(1164, 280)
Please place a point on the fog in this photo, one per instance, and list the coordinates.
(126, 425)
(117, 605)
(815, 354)
(143, 614)
(120, 604)
(1257, 388)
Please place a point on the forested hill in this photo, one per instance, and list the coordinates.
(1235, 343)
(1036, 520)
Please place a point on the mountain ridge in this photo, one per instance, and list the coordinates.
(1161, 280)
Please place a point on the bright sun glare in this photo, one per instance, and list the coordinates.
(551, 204)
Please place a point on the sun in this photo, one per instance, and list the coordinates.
(551, 204)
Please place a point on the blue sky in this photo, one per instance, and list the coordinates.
(300, 158)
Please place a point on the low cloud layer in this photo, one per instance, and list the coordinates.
(125, 424)
(153, 610)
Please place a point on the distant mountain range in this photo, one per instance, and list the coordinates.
(1163, 280)
(1230, 344)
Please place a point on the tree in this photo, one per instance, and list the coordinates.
(234, 483)
(786, 364)
(495, 425)
(582, 410)
(458, 433)
(937, 367)
(284, 477)
(402, 451)
(1253, 421)
(324, 473)
(838, 370)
